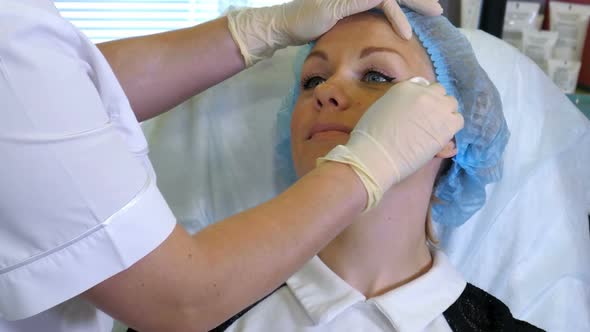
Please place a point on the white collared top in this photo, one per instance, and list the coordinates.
(317, 299)
(78, 196)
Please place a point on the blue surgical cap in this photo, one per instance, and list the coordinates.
(481, 143)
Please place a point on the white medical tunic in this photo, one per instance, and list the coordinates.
(78, 197)
(317, 299)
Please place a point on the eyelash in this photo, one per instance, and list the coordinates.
(306, 80)
(387, 78)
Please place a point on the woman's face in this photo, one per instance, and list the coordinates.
(349, 68)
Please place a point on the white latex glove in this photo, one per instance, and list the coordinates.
(260, 31)
(399, 134)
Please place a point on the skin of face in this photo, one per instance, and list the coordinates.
(349, 68)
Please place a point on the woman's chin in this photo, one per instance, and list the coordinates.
(306, 160)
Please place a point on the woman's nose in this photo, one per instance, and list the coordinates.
(330, 97)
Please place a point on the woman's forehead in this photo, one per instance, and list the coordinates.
(366, 30)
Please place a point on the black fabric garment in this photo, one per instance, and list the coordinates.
(477, 311)
(492, 17)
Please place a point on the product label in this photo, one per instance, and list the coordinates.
(567, 27)
(571, 22)
(563, 79)
(537, 54)
(516, 20)
(513, 37)
(538, 45)
(470, 13)
(565, 74)
(519, 16)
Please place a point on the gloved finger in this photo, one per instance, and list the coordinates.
(455, 119)
(419, 80)
(453, 104)
(424, 7)
(347, 8)
(449, 150)
(397, 18)
(458, 121)
(450, 119)
(447, 102)
(438, 89)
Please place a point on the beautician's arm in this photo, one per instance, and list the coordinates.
(195, 283)
(158, 72)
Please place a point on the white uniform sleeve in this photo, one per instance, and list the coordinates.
(78, 199)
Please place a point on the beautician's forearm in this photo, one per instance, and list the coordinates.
(158, 72)
(195, 283)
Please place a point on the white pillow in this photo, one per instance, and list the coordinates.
(214, 154)
(529, 245)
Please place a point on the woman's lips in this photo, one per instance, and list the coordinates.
(329, 130)
(328, 134)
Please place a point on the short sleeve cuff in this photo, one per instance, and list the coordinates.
(103, 251)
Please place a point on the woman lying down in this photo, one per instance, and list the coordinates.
(384, 273)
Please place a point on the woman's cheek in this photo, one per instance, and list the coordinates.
(298, 120)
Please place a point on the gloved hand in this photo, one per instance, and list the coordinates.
(260, 31)
(399, 134)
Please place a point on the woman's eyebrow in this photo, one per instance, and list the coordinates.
(364, 53)
(373, 49)
(317, 53)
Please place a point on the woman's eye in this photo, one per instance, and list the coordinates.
(377, 77)
(312, 82)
